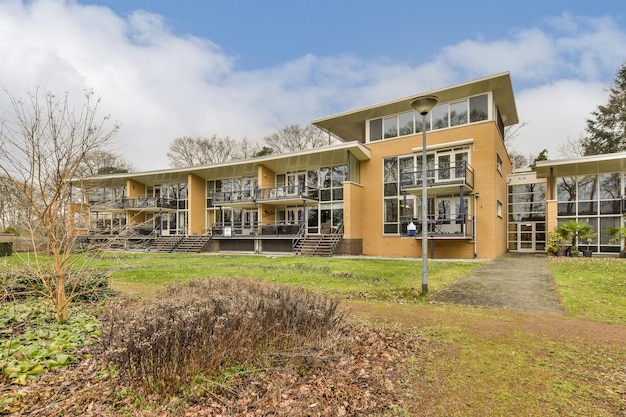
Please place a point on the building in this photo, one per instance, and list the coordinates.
(355, 197)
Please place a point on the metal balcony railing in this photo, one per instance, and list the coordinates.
(133, 203)
(265, 194)
(456, 173)
(461, 225)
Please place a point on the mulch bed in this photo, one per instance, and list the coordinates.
(359, 378)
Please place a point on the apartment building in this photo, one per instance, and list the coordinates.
(361, 196)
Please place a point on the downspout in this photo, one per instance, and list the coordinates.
(474, 224)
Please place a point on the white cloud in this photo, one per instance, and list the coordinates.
(159, 85)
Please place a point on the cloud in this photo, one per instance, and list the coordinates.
(160, 85)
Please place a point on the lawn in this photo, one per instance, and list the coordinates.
(469, 361)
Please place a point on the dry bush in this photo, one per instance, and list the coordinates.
(203, 327)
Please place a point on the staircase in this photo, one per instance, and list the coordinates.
(192, 244)
(165, 244)
(319, 245)
(179, 244)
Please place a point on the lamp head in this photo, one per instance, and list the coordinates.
(424, 104)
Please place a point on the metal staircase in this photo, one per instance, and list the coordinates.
(319, 245)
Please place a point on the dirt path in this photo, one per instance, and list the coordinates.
(513, 281)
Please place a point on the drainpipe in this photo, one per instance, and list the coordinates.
(474, 224)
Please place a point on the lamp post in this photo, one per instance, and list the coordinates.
(423, 105)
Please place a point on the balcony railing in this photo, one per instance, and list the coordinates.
(133, 203)
(244, 230)
(264, 194)
(456, 173)
(459, 226)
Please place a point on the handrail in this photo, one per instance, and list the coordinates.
(301, 233)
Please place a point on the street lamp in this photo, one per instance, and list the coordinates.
(423, 105)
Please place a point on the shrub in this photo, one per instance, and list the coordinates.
(6, 248)
(204, 327)
(89, 285)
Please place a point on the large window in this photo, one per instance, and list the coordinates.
(594, 199)
(472, 110)
(399, 207)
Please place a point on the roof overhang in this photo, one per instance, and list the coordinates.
(310, 158)
(586, 165)
(350, 126)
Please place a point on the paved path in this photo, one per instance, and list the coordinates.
(516, 281)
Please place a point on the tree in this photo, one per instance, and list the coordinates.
(606, 129)
(102, 162)
(44, 142)
(294, 137)
(187, 151)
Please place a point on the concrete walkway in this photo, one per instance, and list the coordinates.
(515, 281)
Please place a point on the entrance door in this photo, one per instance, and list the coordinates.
(531, 236)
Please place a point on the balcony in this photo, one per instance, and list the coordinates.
(440, 180)
(442, 227)
(274, 230)
(135, 204)
(289, 194)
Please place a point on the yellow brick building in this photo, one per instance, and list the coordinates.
(360, 196)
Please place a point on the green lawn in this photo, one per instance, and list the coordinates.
(592, 288)
(348, 278)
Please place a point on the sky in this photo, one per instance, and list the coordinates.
(246, 68)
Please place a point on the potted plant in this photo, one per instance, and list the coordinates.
(572, 230)
(553, 245)
(618, 234)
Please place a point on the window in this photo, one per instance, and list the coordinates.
(376, 130)
(439, 116)
(594, 199)
(479, 108)
(471, 110)
(499, 163)
(499, 209)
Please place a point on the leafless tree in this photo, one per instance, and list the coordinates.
(572, 148)
(100, 162)
(295, 137)
(187, 151)
(44, 142)
(512, 132)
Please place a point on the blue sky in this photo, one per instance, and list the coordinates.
(240, 68)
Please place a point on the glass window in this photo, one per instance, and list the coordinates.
(609, 186)
(406, 123)
(479, 108)
(440, 116)
(566, 188)
(391, 210)
(588, 187)
(376, 130)
(458, 113)
(391, 127)
(391, 170)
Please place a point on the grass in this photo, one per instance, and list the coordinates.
(349, 278)
(476, 361)
(592, 288)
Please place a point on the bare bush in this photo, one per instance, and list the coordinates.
(203, 327)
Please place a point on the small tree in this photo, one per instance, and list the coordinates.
(573, 232)
(43, 145)
(618, 234)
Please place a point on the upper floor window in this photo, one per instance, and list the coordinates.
(471, 110)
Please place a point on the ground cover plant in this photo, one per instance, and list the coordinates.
(395, 353)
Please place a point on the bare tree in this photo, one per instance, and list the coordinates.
(101, 162)
(512, 132)
(43, 145)
(294, 137)
(573, 148)
(187, 151)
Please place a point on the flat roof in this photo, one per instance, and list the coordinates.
(309, 158)
(350, 126)
(585, 165)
